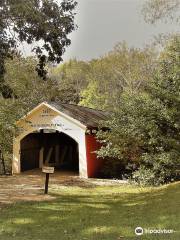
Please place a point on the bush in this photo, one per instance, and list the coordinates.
(144, 176)
(158, 169)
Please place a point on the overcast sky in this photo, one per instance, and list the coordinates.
(103, 23)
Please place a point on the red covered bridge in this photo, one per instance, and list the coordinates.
(59, 135)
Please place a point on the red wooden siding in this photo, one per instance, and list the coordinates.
(94, 164)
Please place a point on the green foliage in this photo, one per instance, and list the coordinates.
(144, 131)
(8, 112)
(92, 96)
(71, 77)
(156, 169)
(34, 21)
(122, 69)
(133, 130)
(100, 82)
(25, 83)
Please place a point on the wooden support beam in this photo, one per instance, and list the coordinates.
(48, 156)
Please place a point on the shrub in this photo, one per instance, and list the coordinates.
(157, 169)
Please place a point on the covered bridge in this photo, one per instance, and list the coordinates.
(59, 135)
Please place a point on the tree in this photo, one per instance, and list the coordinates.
(122, 69)
(71, 78)
(25, 83)
(44, 22)
(92, 96)
(164, 165)
(144, 131)
(132, 131)
(155, 10)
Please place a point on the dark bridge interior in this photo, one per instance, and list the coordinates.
(50, 148)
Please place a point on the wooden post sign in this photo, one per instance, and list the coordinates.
(47, 170)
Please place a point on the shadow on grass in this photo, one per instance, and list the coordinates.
(99, 216)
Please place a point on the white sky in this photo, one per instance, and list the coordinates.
(103, 23)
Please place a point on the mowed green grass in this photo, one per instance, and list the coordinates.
(95, 213)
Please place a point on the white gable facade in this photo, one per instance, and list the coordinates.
(46, 117)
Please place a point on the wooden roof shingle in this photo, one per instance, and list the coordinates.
(87, 116)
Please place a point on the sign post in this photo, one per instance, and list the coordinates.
(47, 170)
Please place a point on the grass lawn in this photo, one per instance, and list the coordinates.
(94, 213)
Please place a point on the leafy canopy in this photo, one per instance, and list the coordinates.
(122, 69)
(155, 10)
(145, 129)
(45, 23)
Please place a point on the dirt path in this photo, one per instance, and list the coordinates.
(29, 186)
